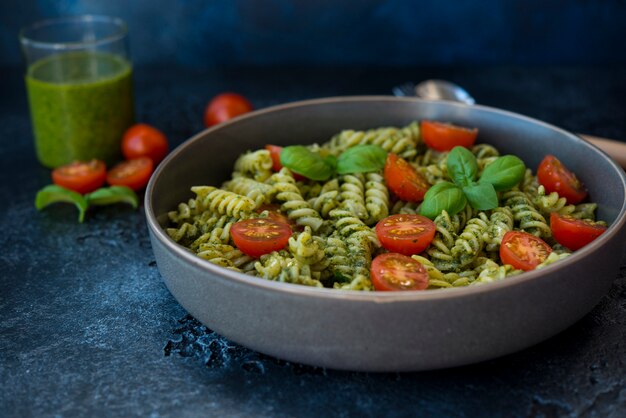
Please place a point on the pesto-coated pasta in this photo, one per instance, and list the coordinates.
(334, 241)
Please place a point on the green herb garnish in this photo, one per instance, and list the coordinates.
(55, 194)
(358, 159)
(103, 196)
(502, 174)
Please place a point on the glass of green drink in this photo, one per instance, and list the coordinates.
(79, 85)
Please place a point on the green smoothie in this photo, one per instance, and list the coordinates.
(81, 103)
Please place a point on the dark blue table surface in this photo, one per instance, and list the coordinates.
(87, 327)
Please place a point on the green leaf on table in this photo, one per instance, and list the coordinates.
(462, 166)
(112, 195)
(55, 194)
(481, 196)
(443, 196)
(504, 173)
(361, 159)
(303, 161)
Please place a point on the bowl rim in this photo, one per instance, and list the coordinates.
(374, 297)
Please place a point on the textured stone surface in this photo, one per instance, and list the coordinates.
(88, 328)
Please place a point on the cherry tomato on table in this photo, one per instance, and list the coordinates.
(403, 180)
(143, 140)
(131, 173)
(393, 271)
(445, 136)
(523, 250)
(555, 177)
(574, 233)
(258, 236)
(82, 177)
(225, 106)
(405, 234)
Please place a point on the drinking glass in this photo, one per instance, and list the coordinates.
(79, 85)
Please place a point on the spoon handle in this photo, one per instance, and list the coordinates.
(615, 149)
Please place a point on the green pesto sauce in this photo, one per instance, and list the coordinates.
(81, 104)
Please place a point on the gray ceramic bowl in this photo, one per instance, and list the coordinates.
(385, 331)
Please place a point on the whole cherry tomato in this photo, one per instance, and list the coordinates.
(225, 106)
(142, 140)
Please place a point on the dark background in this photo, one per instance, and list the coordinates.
(208, 33)
(87, 327)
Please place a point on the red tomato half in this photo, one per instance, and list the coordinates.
(131, 173)
(275, 214)
(259, 236)
(276, 165)
(403, 180)
(574, 233)
(82, 177)
(555, 177)
(143, 140)
(392, 271)
(445, 136)
(225, 106)
(275, 154)
(523, 250)
(405, 234)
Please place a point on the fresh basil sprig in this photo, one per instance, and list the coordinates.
(112, 195)
(54, 194)
(502, 174)
(361, 159)
(302, 160)
(443, 196)
(103, 196)
(462, 166)
(358, 159)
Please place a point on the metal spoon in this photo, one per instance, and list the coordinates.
(445, 90)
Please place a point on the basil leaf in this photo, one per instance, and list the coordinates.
(443, 196)
(303, 161)
(481, 196)
(462, 166)
(54, 194)
(331, 160)
(111, 195)
(361, 159)
(504, 173)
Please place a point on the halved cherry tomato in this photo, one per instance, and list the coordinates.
(574, 233)
(403, 180)
(405, 234)
(275, 154)
(131, 173)
(225, 106)
(276, 165)
(82, 177)
(275, 214)
(523, 250)
(445, 136)
(393, 271)
(142, 140)
(555, 177)
(259, 236)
